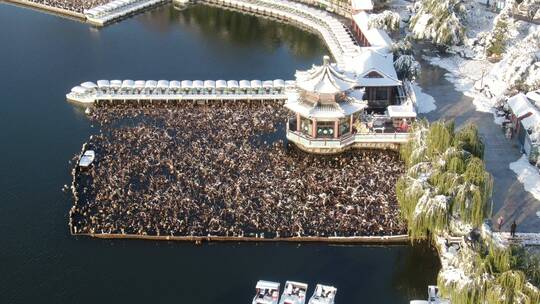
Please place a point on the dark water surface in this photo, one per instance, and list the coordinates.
(41, 58)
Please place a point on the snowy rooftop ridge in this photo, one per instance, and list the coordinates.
(325, 79)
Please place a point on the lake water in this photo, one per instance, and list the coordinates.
(42, 57)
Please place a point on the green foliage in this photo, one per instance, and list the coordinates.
(468, 139)
(497, 44)
(526, 262)
(445, 177)
(439, 138)
(491, 278)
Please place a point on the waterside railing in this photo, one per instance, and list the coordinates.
(331, 145)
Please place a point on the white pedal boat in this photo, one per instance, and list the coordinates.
(87, 158)
(266, 293)
(294, 293)
(323, 294)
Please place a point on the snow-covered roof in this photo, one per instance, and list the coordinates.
(198, 84)
(534, 97)
(175, 84)
(88, 85)
(103, 83)
(163, 84)
(128, 84)
(139, 84)
(324, 79)
(324, 111)
(267, 285)
(79, 90)
(221, 84)
(402, 111)
(377, 61)
(116, 83)
(520, 106)
(365, 5)
(375, 37)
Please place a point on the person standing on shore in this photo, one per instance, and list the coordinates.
(513, 229)
(500, 222)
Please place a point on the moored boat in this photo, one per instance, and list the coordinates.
(266, 293)
(294, 293)
(323, 294)
(87, 158)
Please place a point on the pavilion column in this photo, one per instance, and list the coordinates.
(336, 128)
(351, 124)
(314, 131)
(298, 122)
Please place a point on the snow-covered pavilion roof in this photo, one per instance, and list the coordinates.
(373, 68)
(324, 79)
(321, 111)
(365, 5)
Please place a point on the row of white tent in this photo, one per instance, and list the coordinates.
(119, 8)
(128, 86)
(335, 34)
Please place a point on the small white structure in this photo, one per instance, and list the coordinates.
(525, 118)
(266, 293)
(323, 294)
(294, 293)
(87, 159)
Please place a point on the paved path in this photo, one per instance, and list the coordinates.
(509, 197)
(526, 239)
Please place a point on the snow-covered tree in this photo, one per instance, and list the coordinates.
(387, 20)
(519, 70)
(496, 43)
(402, 47)
(440, 21)
(405, 64)
(407, 67)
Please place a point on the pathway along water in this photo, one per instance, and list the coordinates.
(510, 199)
(43, 56)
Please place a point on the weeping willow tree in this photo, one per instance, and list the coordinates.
(486, 275)
(446, 182)
(445, 178)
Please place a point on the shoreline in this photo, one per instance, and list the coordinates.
(60, 12)
(393, 239)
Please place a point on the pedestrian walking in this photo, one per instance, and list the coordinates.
(500, 222)
(513, 229)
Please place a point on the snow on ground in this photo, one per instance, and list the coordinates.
(464, 73)
(528, 175)
(526, 239)
(424, 101)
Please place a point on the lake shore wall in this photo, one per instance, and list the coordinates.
(393, 239)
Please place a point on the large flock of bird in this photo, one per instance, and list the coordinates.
(225, 170)
(72, 5)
